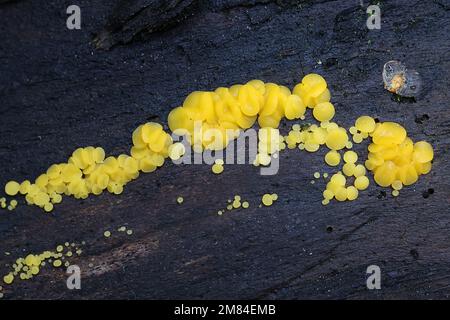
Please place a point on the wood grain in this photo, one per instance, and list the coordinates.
(58, 92)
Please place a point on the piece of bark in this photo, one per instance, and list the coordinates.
(131, 19)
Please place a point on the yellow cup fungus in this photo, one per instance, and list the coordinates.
(324, 111)
(337, 139)
(361, 183)
(333, 158)
(27, 267)
(365, 124)
(12, 188)
(209, 120)
(217, 168)
(350, 156)
(395, 159)
(267, 200)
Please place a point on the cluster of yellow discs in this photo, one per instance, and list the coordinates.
(4, 205)
(236, 203)
(394, 158)
(217, 167)
(337, 186)
(29, 266)
(108, 233)
(268, 199)
(151, 146)
(269, 143)
(88, 171)
(211, 119)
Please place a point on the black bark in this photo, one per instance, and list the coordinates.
(59, 93)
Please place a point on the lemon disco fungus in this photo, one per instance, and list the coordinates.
(350, 157)
(27, 267)
(234, 204)
(361, 183)
(349, 169)
(210, 120)
(333, 158)
(365, 124)
(267, 199)
(352, 193)
(12, 188)
(217, 168)
(336, 139)
(324, 111)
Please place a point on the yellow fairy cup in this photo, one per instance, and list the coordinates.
(210, 120)
(394, 158)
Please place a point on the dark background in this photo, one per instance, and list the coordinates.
(60, 90)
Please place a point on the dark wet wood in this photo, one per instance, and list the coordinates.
(59, 93)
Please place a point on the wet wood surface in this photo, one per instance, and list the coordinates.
(133, 61)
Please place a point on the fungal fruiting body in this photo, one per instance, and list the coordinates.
(268, 199)
(395, 159)
(29, 266)
(236, 203)
(209, 120)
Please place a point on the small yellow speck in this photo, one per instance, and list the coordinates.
(107, 234)
(217, 168)
(317, 175)
(34, 270)
(236, 204)
(219, 212)
(245, 204)
(267, 200)
(48, 207)
(129, 232)
(180, 200)
(59, 248)
(57, 263)
(395, 193)
(8, 279)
